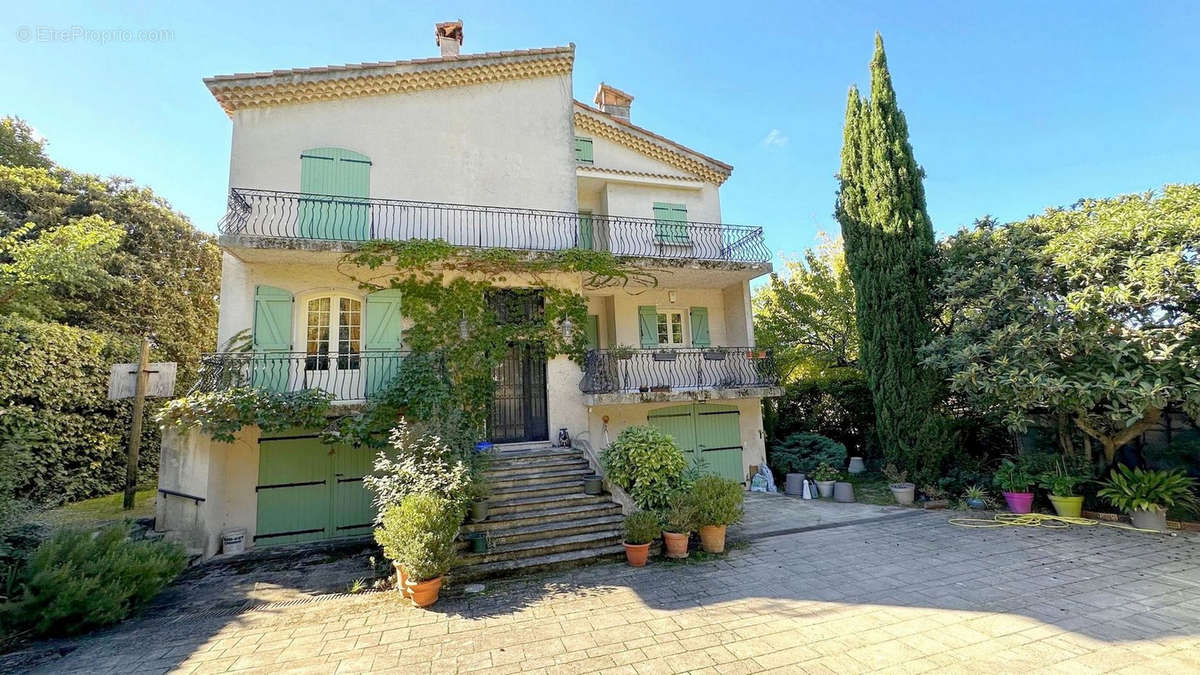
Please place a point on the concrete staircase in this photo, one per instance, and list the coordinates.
(539, 516)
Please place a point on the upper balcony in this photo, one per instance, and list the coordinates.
(274, 219)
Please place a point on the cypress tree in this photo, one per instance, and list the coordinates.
(889, 248)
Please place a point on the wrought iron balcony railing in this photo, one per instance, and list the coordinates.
(347, 377)
(609, 371)
(293, 215)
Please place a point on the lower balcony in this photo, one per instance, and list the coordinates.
(647, 375)
(349, 378)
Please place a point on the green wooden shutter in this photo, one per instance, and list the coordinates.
(678, 422)
(670, 223)
(271, 367)
(583, 150)
(383, 339)
(699, 326)
(593, 331)
(719, 440)
(343, 178)
(648, 325)
(586, 233)
(293, 491)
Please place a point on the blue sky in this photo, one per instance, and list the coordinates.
(1012, 106)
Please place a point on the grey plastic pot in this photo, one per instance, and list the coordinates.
(904, 493)
(1149, 520)
(479, 511)
(794, 484)
(843, 492)
(856, 465)
(593, 485)
(825, 488)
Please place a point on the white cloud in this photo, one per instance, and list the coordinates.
(775, 138)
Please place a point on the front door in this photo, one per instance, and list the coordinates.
(309, 490)
(709, 435)
(519, 402)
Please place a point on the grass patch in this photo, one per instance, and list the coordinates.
(98, 510)
(871, 488)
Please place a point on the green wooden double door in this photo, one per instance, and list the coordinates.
(309, 490)
(708, 433)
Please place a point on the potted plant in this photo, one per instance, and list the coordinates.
(903, 491)
(1061, 483)
(714, 354)
(665, 355)
(976, 497)
(479, 491)
(825, 476)
(622, 352)
(680, 519)
(718, 505)
(641, 528)
(660, 388)
(1014, 480)
(1146, 495)
(418, 535)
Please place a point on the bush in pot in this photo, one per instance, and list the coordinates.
(680, 521)
(641, 528)
(418, 535)
(903, 491)
(1146, 495)
(976, 497)
(1014, 479)
(718, 504)
(1061, 482)
(825, 476)
(479, 491)
(645, 462)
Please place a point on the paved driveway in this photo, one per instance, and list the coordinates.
(906, 594)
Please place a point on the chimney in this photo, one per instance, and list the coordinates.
(449, 37)
(613, 101)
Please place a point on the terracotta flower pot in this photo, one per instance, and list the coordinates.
(1067, 507)
(677, 544)
(401, 580)
(424, 593)
(1019, 502)
(636, 554)
(712, 538)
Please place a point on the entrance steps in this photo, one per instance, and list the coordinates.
(539, 517)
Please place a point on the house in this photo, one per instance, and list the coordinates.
(478, 150)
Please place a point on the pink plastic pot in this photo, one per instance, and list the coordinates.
(1019, 502)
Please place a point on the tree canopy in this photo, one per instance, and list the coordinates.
(1089, 314)
(807, 315)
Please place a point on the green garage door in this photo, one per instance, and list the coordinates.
(309, 490)
(707, 432)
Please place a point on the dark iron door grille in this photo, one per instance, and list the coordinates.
(519, 402)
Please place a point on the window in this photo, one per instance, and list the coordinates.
(670, 328)
(670, 223)
(583, 150)
(329, 332)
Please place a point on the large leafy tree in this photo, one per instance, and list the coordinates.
(889, 249)
(807, 315)
(162, 278)
(1087, 317)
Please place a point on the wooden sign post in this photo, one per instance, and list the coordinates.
(148, 379)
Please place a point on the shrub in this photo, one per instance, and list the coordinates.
(826, 472)
(1061, 481)
(76, 581)
(418, 534)
(718, 501)
(221, 414)
(647, 463)
(1014, 476)
(1137, 489)
(803, 452)
(641, 527)
(418, 464)
(680, 515)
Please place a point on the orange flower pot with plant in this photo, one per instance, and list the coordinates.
(718, 505)
(641, 528)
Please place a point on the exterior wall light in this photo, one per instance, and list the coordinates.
(567, 328)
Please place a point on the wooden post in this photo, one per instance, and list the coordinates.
(135, 432)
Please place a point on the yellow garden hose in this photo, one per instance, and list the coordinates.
(1041, 520)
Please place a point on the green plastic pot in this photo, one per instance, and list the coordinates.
(1067, 507)
(478, 542)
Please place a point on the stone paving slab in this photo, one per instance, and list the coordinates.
(767, 514)
(907, 595)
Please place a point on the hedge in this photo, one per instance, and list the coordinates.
(53, 394)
